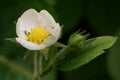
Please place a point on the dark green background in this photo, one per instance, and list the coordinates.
(98, 17)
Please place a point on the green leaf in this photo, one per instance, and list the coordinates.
(86, 51)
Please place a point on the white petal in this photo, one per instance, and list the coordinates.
(51, 40)
(55, 34)
(29, 45)
(46, 19)
(20, 30)
(56, 31)
(26, 22)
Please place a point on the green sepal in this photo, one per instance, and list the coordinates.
(27, 54)
(45, 52)
(13, 40)
(58, 44)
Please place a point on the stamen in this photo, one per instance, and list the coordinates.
(37, 35)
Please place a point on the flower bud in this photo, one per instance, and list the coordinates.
(75, 39)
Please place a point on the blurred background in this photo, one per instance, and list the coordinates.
(98, 17)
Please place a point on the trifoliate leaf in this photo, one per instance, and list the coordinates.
(85, 52)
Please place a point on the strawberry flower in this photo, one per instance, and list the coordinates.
(37, 31)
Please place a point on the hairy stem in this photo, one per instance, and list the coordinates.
(36, 66)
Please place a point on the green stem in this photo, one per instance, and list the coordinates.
(64, 51)
(40, 64)
(36, 66)
(58, 56)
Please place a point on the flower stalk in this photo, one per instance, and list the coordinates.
(36, 75)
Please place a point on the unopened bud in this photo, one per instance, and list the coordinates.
(75, 39)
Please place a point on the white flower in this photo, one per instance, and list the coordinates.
(37, 31)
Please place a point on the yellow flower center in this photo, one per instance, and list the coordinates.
(37, 35)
